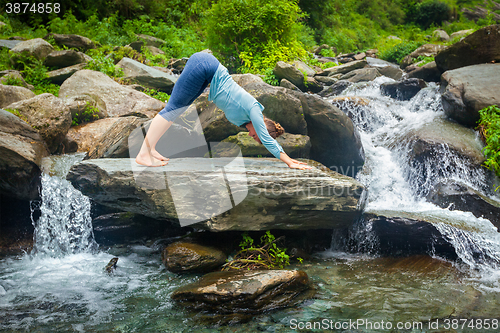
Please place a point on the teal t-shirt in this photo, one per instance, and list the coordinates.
(240, 107)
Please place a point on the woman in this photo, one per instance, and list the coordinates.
(240, 108)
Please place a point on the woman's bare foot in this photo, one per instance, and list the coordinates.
(150, 161)
(158, 156)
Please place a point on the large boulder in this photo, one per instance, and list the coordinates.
(12, 75)
(426, 50)
(467, 90)
(343, 69)
(245, 292)
(402, 90)
(58, 76)
(294, 145)
(459, 196)
(12, 94)
(49, 115)
(119, 100)
(482, 46)
(280, 106)
(72, 41)
(244, 79)
(335, 89)
(21, 152)
(146, 76)
(335, 141)
(64, 58)
(438, 141)
(428, 72)
(461, 33)
(83, 137)
(265, 194)
(114, 142)
(440, 35)
(213, 120)
(282, 70)
(361, 75)
(478, 12)
(404, 234)
(9, 44)
(37, 48)
(192, 257)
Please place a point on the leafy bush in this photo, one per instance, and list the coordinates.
(399, 51)
(432, 12)
(88, 114)
(259, 32)
(159, 95)
(100, 62)
(266, 256)
(270, 78)
(34, 73)
(489, 127)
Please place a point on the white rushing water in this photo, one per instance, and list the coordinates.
(396, 185)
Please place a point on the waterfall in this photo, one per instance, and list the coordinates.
(64, 226)
(397, 183)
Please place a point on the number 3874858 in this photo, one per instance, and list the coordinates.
(34, 8)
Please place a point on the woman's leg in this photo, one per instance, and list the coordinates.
(195, 77)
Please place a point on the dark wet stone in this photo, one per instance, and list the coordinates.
(244, 291)
(191, 257)
(403, 90)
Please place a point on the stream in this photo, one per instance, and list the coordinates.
(61, 286)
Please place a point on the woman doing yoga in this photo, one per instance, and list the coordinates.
(240, 108)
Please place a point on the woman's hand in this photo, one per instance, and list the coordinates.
(299, 165)
(293, 164)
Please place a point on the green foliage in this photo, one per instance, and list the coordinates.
(10, 80)
(270, 78)
(430, 13)
(18, 114)
(399, 51)
(259, 32)
(268, 255)
(327, 53)
(88, 114)
(34, 73)
(489, 126)
(102, 63)
(423, 60)
(159, 95)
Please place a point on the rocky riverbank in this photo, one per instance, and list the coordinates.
(201, 191)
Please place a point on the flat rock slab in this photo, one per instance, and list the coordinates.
(243, 291)
(223, 194)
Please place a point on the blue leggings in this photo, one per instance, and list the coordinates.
(197, 74)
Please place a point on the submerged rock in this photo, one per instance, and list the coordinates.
(191, 257)
(244, 292)
(266, 193)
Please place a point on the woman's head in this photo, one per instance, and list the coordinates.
(274, 129)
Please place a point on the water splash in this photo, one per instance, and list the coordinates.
(65, 225)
